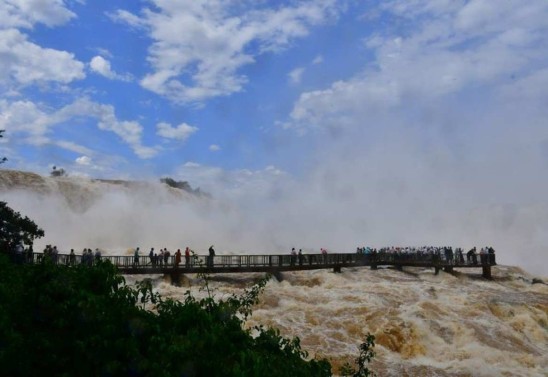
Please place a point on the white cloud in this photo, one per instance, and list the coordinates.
(35, 122)
(27, 13)
(181, 132)
(71, 146)
(453, 47)
(199, 47)
(27, 63)
(128, 18)
(83, 160)
(214, 148)
(318, 60)
(296, 75)
(100, 65)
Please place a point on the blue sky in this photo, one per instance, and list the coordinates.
(399, 122)
(111, 56)
(108, 88)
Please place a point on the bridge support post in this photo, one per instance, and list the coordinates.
(337, 269)
(436, 270)
(175, 277)
(399, 267)
(448, 268)
(486, 273)
(373, 266)
(278, 275)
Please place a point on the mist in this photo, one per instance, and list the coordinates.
(404, 184)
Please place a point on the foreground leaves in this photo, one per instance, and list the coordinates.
(82, 321)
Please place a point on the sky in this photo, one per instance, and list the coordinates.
(415, 121)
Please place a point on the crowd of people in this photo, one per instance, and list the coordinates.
(164, 257)
(444, 253)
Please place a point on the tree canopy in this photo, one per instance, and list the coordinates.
(183, 185)
(55, 172)
(15, 228)
(85, 321)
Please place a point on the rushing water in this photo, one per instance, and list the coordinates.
(425, 325)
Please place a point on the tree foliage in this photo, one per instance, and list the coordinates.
(183, 185)
(55, 172)
(366, 355)
(84, 321)
(15, 228)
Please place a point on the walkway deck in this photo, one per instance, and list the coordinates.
(275, 264)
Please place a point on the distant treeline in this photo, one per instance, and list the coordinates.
(184, 185)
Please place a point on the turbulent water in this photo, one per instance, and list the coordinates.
(425, 325)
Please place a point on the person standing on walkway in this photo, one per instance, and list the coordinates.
(177, 257)
(211, 256)
(187, 257)
(72, 257)
(151, 256)
(167, 254)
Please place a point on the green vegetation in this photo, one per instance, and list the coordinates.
(82, 321)
(85, 321)
(15, 228)
(58, 172)
(366, 355)
(183, 185)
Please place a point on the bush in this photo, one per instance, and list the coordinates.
(84, 321)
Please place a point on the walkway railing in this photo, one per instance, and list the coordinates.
(234, 263)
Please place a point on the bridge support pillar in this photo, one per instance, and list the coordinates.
(337, 269)
(373, 266)
(399, 267)
(278, 275)
(175, 277)
(436, 270)
(448, 268)
(486, 273)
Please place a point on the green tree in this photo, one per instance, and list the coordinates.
(85, 321)
(58, 172)
(183, 185)
(366, 355)
(15, 228)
